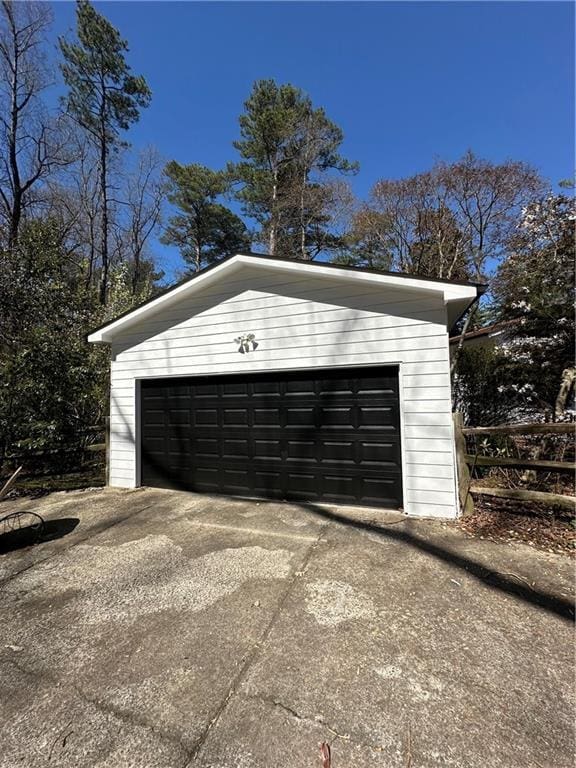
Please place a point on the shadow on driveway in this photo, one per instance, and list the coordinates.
(495, 579)
(31, 532)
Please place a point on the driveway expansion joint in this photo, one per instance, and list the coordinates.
(251, 657)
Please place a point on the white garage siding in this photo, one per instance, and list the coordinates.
(302, 322)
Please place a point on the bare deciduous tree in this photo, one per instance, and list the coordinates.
(142, 203)
(487, 199)
(31, 141)
(453, 221)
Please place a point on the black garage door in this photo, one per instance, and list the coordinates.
(312, 435)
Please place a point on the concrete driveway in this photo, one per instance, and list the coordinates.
(167, 629)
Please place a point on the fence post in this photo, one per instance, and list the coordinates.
(466, 501)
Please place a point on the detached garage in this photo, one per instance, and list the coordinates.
(286, 379)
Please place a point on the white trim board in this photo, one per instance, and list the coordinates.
(460, 295)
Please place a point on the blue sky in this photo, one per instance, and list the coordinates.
(407, 82)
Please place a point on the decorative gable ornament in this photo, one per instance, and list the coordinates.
(246, 343)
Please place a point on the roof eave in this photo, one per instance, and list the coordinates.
(451, 292)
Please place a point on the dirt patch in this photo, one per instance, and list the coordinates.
(37, 485)
(537, 525)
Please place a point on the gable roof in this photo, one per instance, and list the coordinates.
(461, 294)
(489, 330)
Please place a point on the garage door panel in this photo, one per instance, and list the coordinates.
(332, 387)
(235, 417)
(177, 417)
(205, 417)
(330, 436)
(268, 484)
(302, 484)
(301, 450)
(236, 448)
(266, 417)
(206, 447)
(381, 453)
(385, 388)
(179, 444)
(236, 389)
(300, 417)
(378, 490)
(305, 388)
(154, 416)
(340, 487)
(377, 417)
(339, 451)
(206, 475)
(204, 390)
(265, 390)
(178, 392)
(341, 417)
(267, 450)
(237, 481)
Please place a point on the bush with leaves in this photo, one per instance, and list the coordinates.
(47, 373)
(536, 285)
(53, 384)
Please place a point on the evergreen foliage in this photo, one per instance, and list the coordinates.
(104, 98)
(287, 147)
(203, 229)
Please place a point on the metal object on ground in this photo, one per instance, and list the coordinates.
(21, 528)
(23, 524)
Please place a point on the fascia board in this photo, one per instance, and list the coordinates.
(448, 292)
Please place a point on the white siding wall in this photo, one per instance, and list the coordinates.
(302, 323)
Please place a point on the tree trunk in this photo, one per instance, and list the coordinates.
(303, 182)
(567, 384)
(104, 198)
(272, 234)
(104, 230)
(92, 255)
(463, 473)
(136, 272)
(302, 227)
(16, 207)
(302, 211)
(547, 442)
(467, 322)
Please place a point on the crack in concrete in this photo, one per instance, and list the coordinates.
(317, 720)
(131, 718)
(126, 716)
(253, 655)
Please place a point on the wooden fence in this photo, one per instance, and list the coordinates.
(84, 445)
(467, 488)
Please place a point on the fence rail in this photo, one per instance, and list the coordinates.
(538, 465)
(467, 488)
(541, 497)
(522, 429)
(87, 440)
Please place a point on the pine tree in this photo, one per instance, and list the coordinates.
(104, 98)
(287, 146)
(203, 229)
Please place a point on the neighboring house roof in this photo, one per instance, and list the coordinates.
(458, 296)
(489, 331)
